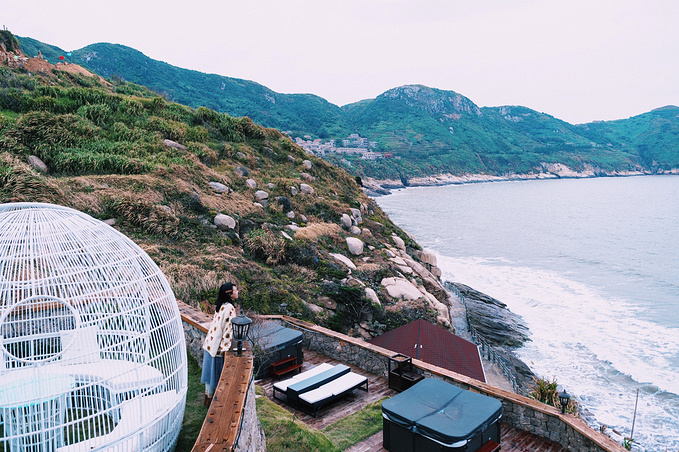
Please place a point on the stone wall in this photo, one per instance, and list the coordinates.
(251, 437)
(519, 411)
(194, 340)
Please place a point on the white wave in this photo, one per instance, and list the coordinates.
(595, 345)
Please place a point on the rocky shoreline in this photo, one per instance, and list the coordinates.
(379, 187)
(499, 327)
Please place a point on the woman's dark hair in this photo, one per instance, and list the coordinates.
(224, 295)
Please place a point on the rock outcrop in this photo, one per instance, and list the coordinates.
(491, 318)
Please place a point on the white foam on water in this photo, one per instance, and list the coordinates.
(593, 344)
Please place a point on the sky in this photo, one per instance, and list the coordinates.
(577, 60)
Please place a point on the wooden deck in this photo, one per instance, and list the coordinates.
(513, 439)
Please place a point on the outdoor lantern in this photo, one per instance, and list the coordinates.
(241, 327)
(564, 398)
(284, 308)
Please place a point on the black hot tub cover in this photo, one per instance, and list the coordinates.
(273, 337)
(442, 411)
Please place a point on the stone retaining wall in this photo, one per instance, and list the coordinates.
(519, 411)
(194, 340)
(251, 438)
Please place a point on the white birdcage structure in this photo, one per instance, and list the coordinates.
(92, 350)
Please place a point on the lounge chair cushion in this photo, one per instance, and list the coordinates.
(283, 385)
(316, 381)
(333, 388)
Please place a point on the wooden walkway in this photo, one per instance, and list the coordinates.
(513, 439)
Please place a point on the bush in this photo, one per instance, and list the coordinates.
(264, 245)
(544, 391)
(151, 218)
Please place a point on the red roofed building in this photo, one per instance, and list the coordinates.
(432, 344)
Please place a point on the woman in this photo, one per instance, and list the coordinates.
(218, 339)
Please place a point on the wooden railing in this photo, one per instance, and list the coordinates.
(223, 421)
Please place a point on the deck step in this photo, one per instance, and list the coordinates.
(490, 446)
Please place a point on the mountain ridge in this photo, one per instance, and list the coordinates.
(434, 131)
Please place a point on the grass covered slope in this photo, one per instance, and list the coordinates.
(162, 172)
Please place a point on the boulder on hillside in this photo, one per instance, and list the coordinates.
(356, 214)
(307, 164)
(306, 189)
(285, 203)
(37, 164)
(261, 195)
(401, 289)
(372, 296)
(242, 171)
(224, 222)
(343, 259)
(174, 144)
(251, 183)
(219, 187)
(399, 242)
(355, 246)
(346, 221)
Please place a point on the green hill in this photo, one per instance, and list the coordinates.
(298, 113)
(210, 197)
(432, 131)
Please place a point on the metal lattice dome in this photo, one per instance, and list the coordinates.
(92, 351)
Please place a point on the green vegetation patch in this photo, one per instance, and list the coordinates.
(284, 433)
(195, 411)
(356, 427)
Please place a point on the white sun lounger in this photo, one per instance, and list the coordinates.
(313, 400)
(282, 386)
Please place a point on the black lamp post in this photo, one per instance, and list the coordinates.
(241, 327)
(564, 398)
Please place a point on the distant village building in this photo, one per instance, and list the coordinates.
(354, 144)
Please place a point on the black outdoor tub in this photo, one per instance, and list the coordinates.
(273, 343)
(434, 416)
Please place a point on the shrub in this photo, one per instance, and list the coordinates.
(324, 211)
(352, 307)
(314, 231)
(151, 218)
(264, 245)
(44, 128)
(544, 391)
(77, 161)
(99, 114)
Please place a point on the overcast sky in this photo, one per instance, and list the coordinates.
(578, 60)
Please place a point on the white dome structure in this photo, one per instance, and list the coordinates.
(92, 350)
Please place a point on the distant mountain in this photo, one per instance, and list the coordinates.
(298, 113)
(433, 131)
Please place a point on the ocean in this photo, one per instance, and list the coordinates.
(592, 265)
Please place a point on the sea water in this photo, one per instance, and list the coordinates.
(592, 265)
